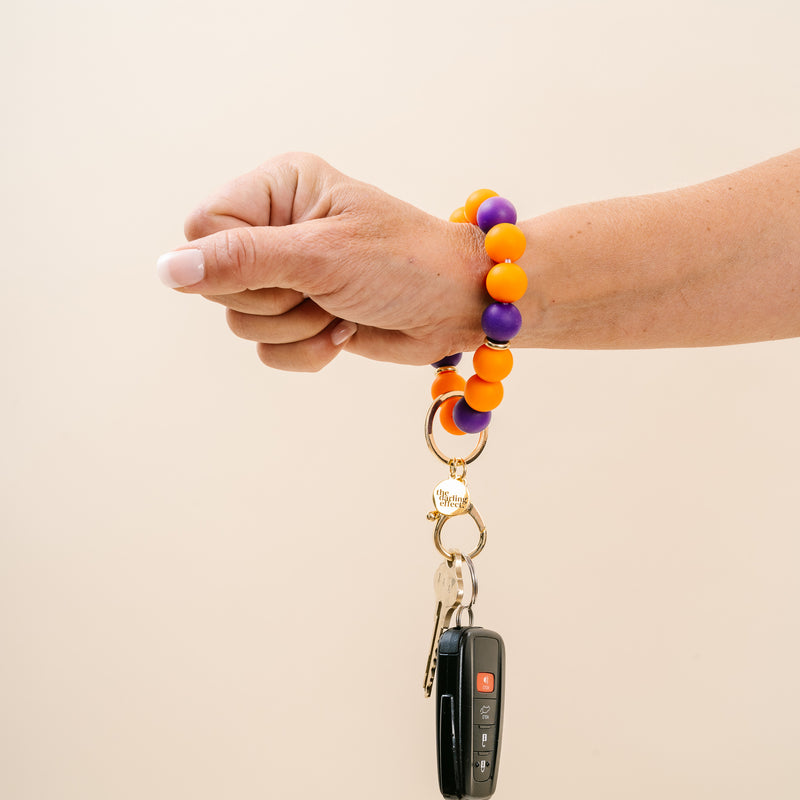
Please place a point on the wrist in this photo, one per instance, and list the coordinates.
(469, 269)
(503, 244)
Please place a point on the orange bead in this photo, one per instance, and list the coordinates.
(492, 365)
(446, 417)
(474, 201)
(504, 242)
(483, 395)
(446, 382)
(506, 282)
(459, 215)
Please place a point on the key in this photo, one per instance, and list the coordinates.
(448, 584)
(469, 707)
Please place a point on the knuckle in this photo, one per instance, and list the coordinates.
(293, 358)
(237, 322)
(198, 224)
(280, 301)
(301, 160)
(236, 249)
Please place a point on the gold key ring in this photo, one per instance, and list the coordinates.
(434, 448)
(437, 534)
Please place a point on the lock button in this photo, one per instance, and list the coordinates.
(483, 738)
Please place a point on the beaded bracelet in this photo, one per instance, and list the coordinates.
(501, 320)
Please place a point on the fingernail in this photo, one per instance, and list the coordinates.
(342, 332)
(181, 268)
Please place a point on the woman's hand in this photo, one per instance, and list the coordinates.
(309, 262)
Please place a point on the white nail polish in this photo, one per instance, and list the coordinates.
(342, 332)
(181, 268)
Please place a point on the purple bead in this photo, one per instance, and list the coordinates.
(495, 210)
(448, 361)
(468, 419)
(501, 322)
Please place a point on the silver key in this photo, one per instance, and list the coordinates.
(448, 584)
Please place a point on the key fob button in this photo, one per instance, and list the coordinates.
(481, 767)
(483, 738)
(485, 712)
(485, 682)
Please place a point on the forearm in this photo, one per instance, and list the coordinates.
(712, 264)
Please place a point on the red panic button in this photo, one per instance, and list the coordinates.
(485, 682)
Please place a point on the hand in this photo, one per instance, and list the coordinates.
(309, 262)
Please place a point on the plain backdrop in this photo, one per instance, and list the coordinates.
(216, 579)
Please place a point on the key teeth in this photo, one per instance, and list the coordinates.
(431, 676)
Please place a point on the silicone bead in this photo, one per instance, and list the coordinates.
(446, 416)
(474, 203)
(483, 395)
(468, 419)
(492, 365)
(506, 282)
(459, 215)
(493, 211)
(505, 242)
(448, 361)
(446, 382)
(501, 322)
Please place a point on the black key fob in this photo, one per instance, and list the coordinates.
(469, 701)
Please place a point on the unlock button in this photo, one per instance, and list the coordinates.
(481, 767)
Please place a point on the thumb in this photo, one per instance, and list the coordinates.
(242, 258)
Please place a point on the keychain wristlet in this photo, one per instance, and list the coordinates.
(468, 662)
(501, 321)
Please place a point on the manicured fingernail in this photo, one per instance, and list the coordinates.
(342, 332)
(181, 268)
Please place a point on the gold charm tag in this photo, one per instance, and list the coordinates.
(451, 497)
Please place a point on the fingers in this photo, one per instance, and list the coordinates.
(297, 325)
(286, 189)
(266, 302)
(396, 346)
(254, 233)
(304, 339)
(312, 354)
(248, 258)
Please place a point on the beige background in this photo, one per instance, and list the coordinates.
(216, 579)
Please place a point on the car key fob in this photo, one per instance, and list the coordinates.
(469, 721)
